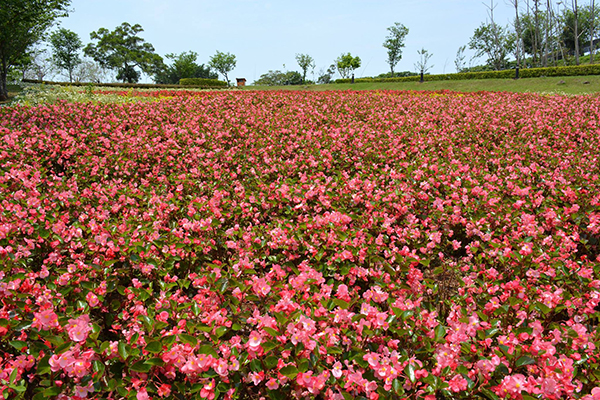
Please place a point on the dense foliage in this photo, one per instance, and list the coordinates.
(22, 24)
(301, 244)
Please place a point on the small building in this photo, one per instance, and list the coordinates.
(241, 81)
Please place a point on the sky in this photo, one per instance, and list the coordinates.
(266, 35)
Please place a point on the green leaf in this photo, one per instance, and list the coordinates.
(341, 303)
(168, 340)
(410, 372)
(154, 347)
(268, 346)
(290, 371)
(188, 339)
(155, 362)
(271, 362)
(43, 366)
(98, 367)
(220, 331)
(255, 365)
(440, 332)
(18, 344)
(12, 379)
(52, 391)
(525, 360)
(122, 347)
(271, 331)
(141, 366)
(208, 349)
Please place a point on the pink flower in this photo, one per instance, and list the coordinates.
(164, 390)
(45, 320)
(272, 384)
(254, 341)
(458, 384)
(92, 299)
(78, 329)
(337, 370)
(142, 394)
(208, 391)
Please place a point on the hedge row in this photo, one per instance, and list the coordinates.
(202, 82)
(574, 70)
(209, 84)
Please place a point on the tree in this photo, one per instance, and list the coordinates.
(346, 64)
(22, 24)
(223, 63)
(459, 61)
(394, 43)
(90, 71)
(326, 75)
(422, 66)
(124, 51)
(305, 62)
(65, 50)
(518, 39)
(492, 40)
(183, 65)
(278, 78)
(41, 64)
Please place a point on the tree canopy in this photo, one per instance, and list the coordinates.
(65, 50)
(394, 42)
(224, 63)
(183, 65)
(124, 51)
(305, 62)
(22, 24)
(346, 64)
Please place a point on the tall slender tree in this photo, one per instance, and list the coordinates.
(394, 43)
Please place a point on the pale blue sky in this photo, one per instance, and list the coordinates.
(266, 35)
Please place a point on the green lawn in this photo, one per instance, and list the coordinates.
(566, 84)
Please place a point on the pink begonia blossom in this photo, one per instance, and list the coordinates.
(255, 340)
(79, 328)
(45, 320)
(142, 394)
(92, 299)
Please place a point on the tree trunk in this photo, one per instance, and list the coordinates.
(575, 12)
(3, 86)
(592, 31)
(518, 29)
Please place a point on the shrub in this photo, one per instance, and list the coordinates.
(575, 70)
(202, 82)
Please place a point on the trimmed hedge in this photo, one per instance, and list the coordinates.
(209, 85)
(202, 82)
(575, 70)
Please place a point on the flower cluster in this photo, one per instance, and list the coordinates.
(231, 245)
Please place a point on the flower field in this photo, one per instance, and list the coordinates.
(334, 245)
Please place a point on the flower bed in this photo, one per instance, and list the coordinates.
(296, 245)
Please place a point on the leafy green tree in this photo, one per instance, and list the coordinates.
(124, 51)
(22, 24)
(223, 63)
(305, 62)
(65, 50)
(394, 42)
(183, 65)
(278, 78)
(346, 64)
(493, 41)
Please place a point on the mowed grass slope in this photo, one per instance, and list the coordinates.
(568, 85)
